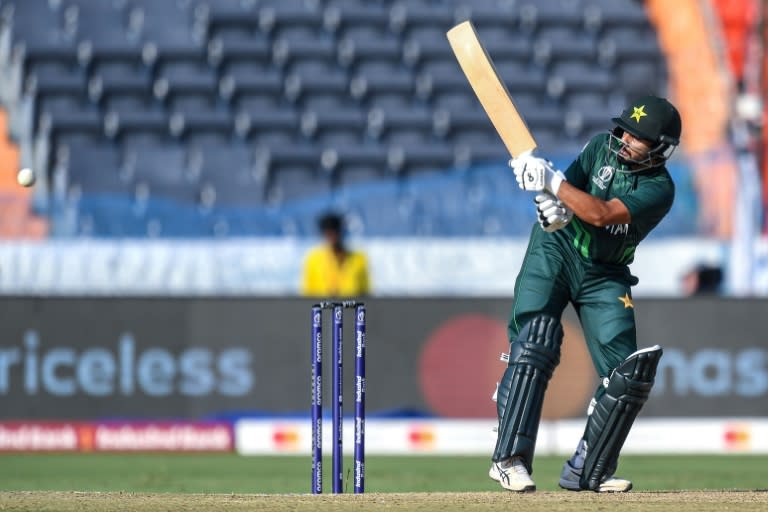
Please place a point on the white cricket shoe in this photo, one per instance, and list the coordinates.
(512, 475)
(569, 479)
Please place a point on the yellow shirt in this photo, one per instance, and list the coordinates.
(324, 276)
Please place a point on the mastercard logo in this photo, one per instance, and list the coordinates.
(285, 438)
(737, 437)
(421, 438)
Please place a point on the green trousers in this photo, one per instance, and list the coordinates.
(554, 274)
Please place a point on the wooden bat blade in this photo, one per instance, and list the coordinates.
(490, 89)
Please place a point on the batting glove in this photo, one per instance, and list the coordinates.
(551, 212)
(536, 174)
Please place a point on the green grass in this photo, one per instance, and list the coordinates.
(234, 474)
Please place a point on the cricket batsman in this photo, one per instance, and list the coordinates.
(591, 220)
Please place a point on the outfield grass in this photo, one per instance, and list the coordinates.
(234, 474)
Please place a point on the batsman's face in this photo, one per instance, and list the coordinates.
(634, 148)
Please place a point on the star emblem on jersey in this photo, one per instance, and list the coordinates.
(627, 300)
(638, 112)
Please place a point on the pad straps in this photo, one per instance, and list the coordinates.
(626, 390)
(532, 359)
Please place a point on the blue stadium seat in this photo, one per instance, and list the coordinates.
(383, 86)
(237, 189)
(265, 126)
(334, 125)
(411, 17)
(622, 43)
(577, 77)
(552, 13)
(93, 169)
(491, 151)
(229, 53)
(164, 41)
(206, 127)
(32, 28)
(234, 157)
(519, 77)
(102, 31)
(187, 86)
(640, 78)
(406, 125)
(354, 17)
(358, 164)
(291, 17)
(316, 88)
(136, 127)
(252, 88)
(354, 50)
(602, 14)
(417, 158)
(292, 52)
(295, 182)
(160, 167)
(120, 87)
(564, 44)
(228, 19)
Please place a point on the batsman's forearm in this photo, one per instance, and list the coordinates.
(591, 209)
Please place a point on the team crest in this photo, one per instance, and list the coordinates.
(603, 177)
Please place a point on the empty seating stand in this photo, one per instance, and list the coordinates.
(237, 111)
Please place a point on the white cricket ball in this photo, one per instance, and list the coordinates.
(26, 177)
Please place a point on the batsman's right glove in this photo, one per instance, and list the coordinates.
(551, 212)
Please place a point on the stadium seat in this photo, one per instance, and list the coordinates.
(216, 162)
(252, 88)
(134, 127)
(225, 53)
(120, 87)
(332, 126)
(621, 44)
(536, 16)
(347, 17)
(353, 50)
(639, 78)
(603, 14)
(577, 77)
(519, 77)
(228, 19)
(292, 182)
(92, 168)
(206, 127)
(292, 52)
(264, 126)
(187, 86)
(291, 17)
(385, 85)
(395, 126)
(237, 189)
(563, 44)
(416, 158)
(159, 166)
(410, 17)
(101, 31)
(326, 86)
(352, 165)
(164, 41)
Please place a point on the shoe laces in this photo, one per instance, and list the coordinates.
(515, 464)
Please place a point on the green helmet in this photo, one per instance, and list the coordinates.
(653, 119)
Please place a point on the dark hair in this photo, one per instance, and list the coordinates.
(330, 222)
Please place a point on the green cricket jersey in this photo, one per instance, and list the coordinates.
(648, 196)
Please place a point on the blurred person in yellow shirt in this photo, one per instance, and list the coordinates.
(331, 269)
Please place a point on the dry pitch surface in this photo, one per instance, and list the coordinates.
(493, 501)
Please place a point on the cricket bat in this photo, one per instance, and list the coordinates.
(490, 89)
